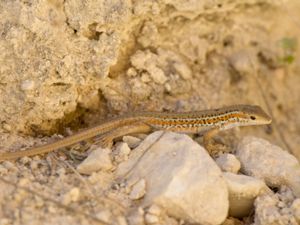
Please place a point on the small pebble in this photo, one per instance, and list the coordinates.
(27, 85)
(168, 87)
(34, 165)
(151, 219)
(39, 202)
(52, 209)
(6, 126)
(3, 170)
(131, 72)
(99, 159)
(104, 216)
(25, 160)
(154, 210)
(136, 217)
(183, 70)
(131, 141)
(241, 61)
(122, 220)
(296, 209)
(122, 152)
(228, 163)
(9, 166)
(145, 77)
(138, 190)
(157, 75)
(61, 171)
(71, 196)
(94, 178)
(24, 182)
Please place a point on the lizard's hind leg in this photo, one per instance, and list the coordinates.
(106, 140)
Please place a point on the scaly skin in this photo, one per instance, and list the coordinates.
(208, 122)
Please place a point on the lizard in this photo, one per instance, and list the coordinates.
(206, 122)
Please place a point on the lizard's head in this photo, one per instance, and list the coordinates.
(253, 115)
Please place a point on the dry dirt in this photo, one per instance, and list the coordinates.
(66, 64)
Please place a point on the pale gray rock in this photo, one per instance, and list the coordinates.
(242, 192)
(99, 159)
(181, 178)
(228, 163)
(154, 210)
(121, 152)
(136, 217)
(131, 141)
(138, 190)
(151, 219)
(268, 162)
(296, 209)
(275, 209)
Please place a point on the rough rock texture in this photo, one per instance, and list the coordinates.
(242, 192)
(138, 190)
(70, 63)
(268, 162)
(121, 152)
(98, 159)
(189, 187)
(273, 209)
(296, 209)
(61, 58)
(228, 163)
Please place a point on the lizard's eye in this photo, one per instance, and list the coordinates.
(252, 117)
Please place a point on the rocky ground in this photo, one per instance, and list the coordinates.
(167, 178)
(64, 65)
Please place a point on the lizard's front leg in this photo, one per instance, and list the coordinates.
(106, 140)
(209, 144)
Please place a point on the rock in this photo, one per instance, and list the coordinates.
(228, 163)
(270, 163)
(9, 166)
(233, 221)
(71, 196)
(153, 215)
(151, 219)
(99, 159)
(3, 170)
(296, 209)
(132, 142)
(147, 61)
(105, 216)
(242, 192)
(121, 152)
(136, 217)
(121, 220)
(138, 190)
(181, 178)
(241, 61)
(154, 210)
(183, 70)
(273, 209)
(27, 85)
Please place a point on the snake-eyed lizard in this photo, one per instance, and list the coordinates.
(207, 122)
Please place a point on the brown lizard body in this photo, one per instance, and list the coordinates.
(208, 122)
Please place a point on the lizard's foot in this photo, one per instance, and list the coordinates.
(214, 149)
(211, 145)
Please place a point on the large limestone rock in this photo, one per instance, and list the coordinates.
(269, 162)
(180, 177)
